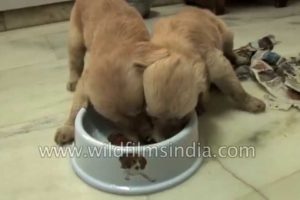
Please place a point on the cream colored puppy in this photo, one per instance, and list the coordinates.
(199, 46)
(116, 39)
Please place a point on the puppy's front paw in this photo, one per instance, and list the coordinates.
(254, 105)
(64, 135)
(71, 86)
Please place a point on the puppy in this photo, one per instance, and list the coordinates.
(199, 46)
(114, 37)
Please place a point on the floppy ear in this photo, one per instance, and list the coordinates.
(147, 53)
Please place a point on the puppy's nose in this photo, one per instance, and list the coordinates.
(137, 168)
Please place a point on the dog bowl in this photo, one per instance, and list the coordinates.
(132, 170)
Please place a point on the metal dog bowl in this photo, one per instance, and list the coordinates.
(122, 170)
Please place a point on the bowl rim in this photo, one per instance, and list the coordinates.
(187, 130)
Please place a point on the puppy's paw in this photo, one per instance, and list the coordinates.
(64, 135)
(254, 105)
(71, 86)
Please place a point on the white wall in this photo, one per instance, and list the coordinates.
(15, 4)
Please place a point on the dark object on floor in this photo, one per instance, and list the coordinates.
(143, 6)
(280, 3)
(266, 43)
(218, 6)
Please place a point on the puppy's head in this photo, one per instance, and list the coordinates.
(147, 53)
(172, 86)
(142, 54)
(132, 161)
(121, 84)
(165, 128)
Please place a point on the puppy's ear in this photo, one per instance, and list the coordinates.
(147, 53)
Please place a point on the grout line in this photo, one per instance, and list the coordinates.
(50, 60)
(6, 136)
(260, 193)
(26, 122)
(45, 122)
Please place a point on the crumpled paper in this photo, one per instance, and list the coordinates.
(279, 76)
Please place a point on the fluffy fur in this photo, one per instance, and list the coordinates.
(200, 46)
(114, 37)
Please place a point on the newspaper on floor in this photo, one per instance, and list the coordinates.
(279, 76)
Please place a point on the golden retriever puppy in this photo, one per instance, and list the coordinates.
(199, 44)
(116, 40)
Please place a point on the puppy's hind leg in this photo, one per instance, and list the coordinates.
(65, 134)
(77, 51)
(222, 75)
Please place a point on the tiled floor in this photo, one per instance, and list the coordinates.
(34, 102)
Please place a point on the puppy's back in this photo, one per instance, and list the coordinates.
(99, 19)
(192, 27)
